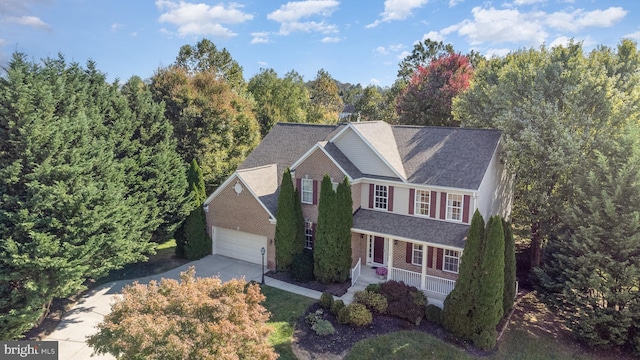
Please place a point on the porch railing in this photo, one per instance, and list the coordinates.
(355, 272)
(408, 277)
(439, 285)
(432, 283)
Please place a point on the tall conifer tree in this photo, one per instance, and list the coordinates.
(344, 222)
(286, 228)
(324, 252)
(509, 293)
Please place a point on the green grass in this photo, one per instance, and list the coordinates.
(286, 308)
(404, 345)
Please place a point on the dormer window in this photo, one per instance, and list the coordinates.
(380, 199)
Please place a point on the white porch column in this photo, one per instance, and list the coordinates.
(425, 254)
(390, 258)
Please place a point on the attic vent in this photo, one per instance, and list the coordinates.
(237, 188)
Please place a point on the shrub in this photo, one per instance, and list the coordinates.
(484, 340)
(165, 319)
(312, 318)
(419, 298)
(302, 266)
(433, 313)
(373, 288)
(323, 328)
(326, 300)
(394, 290)
(337, 306)
(373, 301)
(406, 309)
(355, 314)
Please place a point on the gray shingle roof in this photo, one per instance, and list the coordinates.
(380, 135)
(263, 181)
(342, 160)
(452, 157)
(410, 227)
(286, 143)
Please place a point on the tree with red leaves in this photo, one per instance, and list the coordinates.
(428, 97)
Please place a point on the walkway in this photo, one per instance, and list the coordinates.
(88, 312)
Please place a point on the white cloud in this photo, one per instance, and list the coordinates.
(453, 3)
(309, 26)
(263, 64)
(381, 50)
(329, 39)
(32, 21)
(134, 34)
(290, 15)
(374, 81)
(260, 37)
(635, 35)
(497, 26)
(397, 10)
(115, 27)
(396, 47)
(296, 10)
(528, 2)
(580, 19)
(202, 19)
(403, 55)
(2, 42)
(433, 35)
(496, 52)
(560, 41)
(19, 7)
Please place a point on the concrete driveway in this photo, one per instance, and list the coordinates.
(81, 321)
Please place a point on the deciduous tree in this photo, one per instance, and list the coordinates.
(326, 103)
(195, 318)
(205, 57)
(428, 97)
(212, 123)
(555, 107)
(370, 105)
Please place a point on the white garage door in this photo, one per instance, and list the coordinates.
(239, 245)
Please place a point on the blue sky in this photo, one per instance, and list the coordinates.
(356, 41)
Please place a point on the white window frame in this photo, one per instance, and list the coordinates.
(381, 197)
(454, 212)
(417, 254)
(419, 205)
(306, 190)
(308, 235)
(451, 261)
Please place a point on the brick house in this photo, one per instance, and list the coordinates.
(414, 191)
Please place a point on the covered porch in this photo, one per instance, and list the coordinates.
(419, 252)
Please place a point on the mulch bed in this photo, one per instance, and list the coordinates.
(308, 345)
(335, 289)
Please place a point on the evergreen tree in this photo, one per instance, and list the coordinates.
(66, 210)
(192, 241)
(160, 176)
(488, 304)
(324, 251)
(286, 224)
(344, 223)
(509, 293)
(458, 311)
(591, 270)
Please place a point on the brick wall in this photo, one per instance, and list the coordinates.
(242, 212)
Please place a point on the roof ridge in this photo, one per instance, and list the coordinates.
(256, 167)
(442, 127)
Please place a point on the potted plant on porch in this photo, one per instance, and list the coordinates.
(381, 272)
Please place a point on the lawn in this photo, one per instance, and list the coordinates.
(286, 308)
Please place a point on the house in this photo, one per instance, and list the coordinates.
(414, 192)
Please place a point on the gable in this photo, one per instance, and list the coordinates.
(362, 155)
(316, 164)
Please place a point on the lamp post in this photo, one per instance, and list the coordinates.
(262, 251)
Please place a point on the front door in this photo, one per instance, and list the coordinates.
(378, 249)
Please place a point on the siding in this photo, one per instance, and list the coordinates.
(495, 194)
(361, 155)
(242, 213)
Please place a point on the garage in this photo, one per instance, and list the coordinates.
(239, 245)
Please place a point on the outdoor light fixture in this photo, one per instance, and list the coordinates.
(262, 251)
(206, 208)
